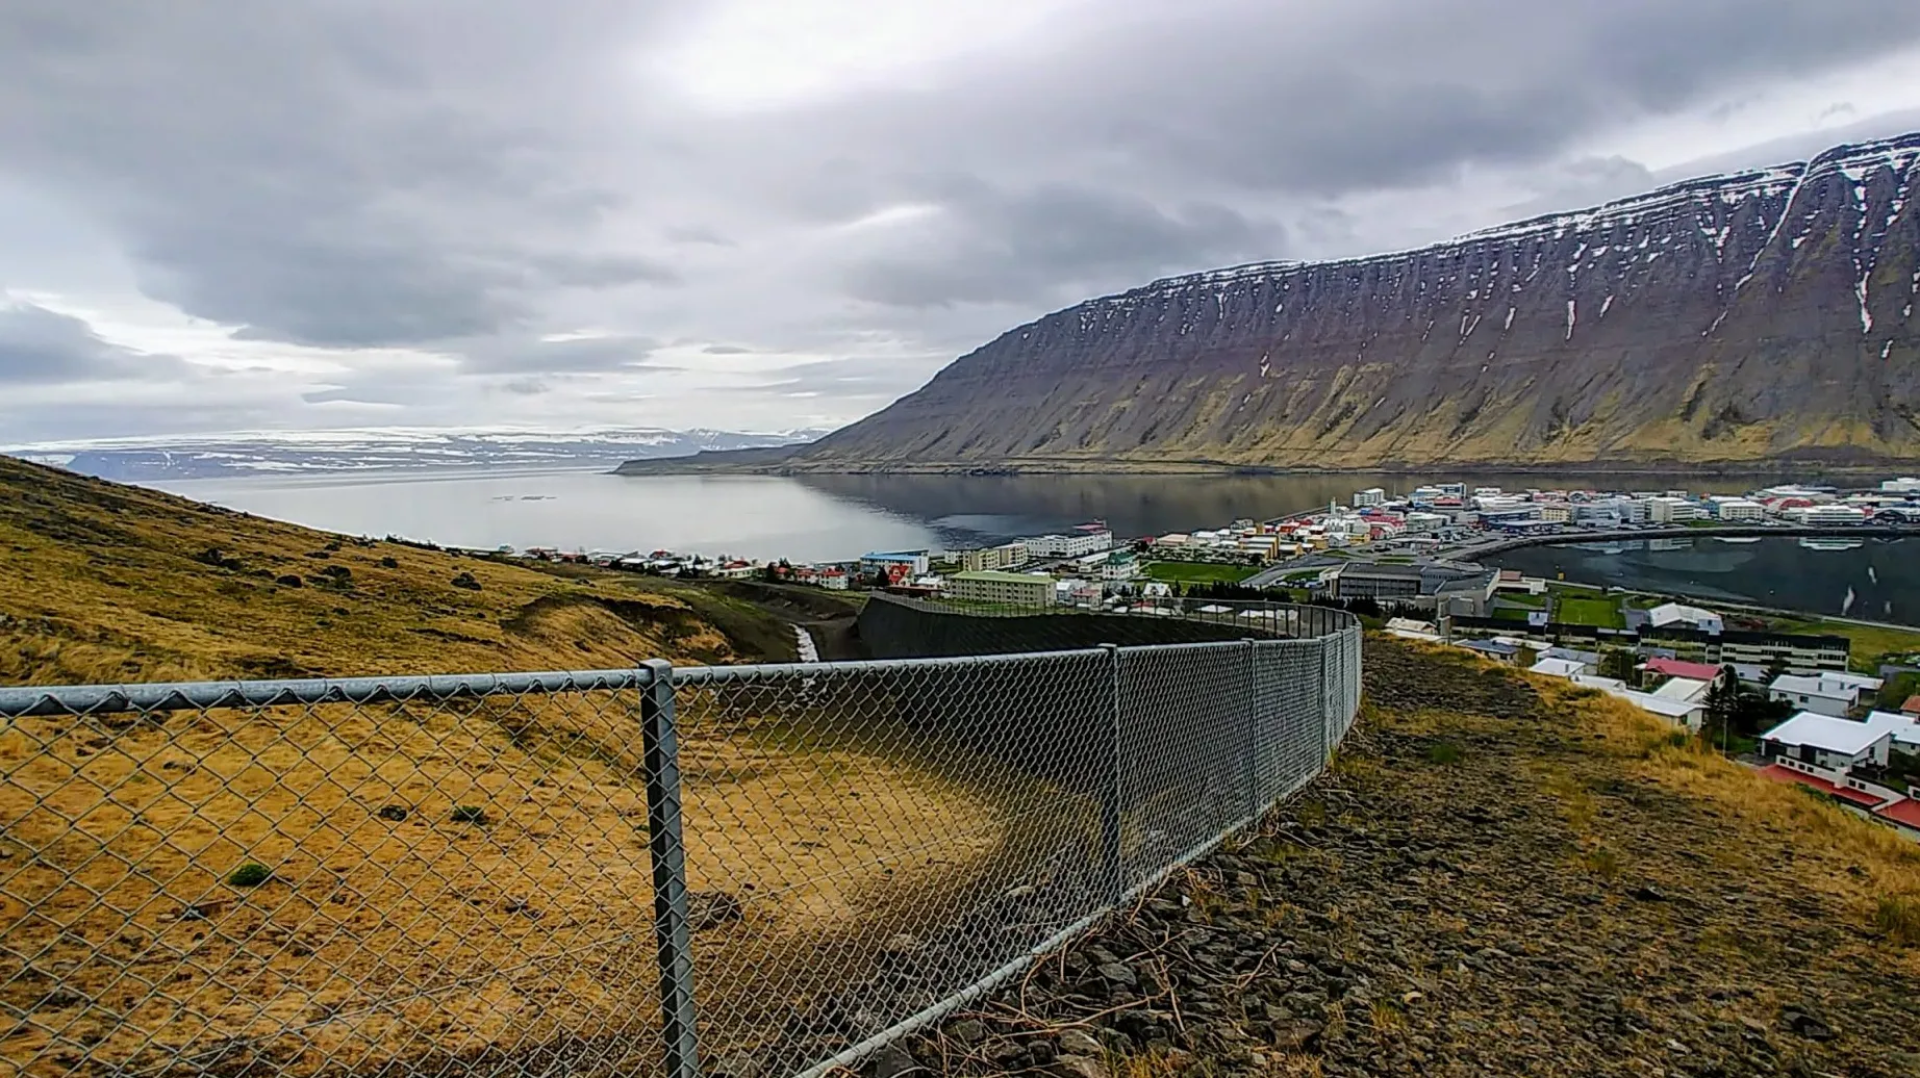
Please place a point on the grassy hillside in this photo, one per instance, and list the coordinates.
(1502, 875)
(419, 884)
(109, 583)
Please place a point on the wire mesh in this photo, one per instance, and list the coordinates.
(458, 875)
(424, 883)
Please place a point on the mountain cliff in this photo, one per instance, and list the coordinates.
(1763, 316)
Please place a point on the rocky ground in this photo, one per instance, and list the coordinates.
(1481, 886)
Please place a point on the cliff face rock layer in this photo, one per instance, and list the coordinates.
(1760, 316)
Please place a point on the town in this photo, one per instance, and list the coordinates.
(1788, 702)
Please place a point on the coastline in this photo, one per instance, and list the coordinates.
(758, 462)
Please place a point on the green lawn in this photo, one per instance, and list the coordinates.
(1187, 572)
(1521, 598)
(1299, 575)
(1510, 613)
(1870, 642)
(1590, 610)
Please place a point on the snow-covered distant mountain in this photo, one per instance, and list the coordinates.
(312, 452)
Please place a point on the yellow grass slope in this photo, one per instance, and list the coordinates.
(109, 583)
(445, 880)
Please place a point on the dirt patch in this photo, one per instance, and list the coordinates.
(1499, 877)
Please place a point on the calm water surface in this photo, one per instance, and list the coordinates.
(1877, 581)
(804, 517)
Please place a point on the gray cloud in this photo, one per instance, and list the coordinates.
(866, 377)
(38, 346)
(990, 245)
(573, 355)
(466, 177)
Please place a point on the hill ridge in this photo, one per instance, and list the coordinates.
(1629, 333)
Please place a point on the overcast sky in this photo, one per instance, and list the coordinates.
(769, 214)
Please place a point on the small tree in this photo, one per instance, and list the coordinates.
(1618, 663)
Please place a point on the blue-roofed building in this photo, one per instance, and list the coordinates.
(1492, 649)
(877, 561)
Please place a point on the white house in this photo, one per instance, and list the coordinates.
(1815, 693)
(1412, 629)
(1904, 728)
(1689, 713)
(1684, 690)
(1370, 496)
(1824, 741)
(1561, 668)
(1690, 616)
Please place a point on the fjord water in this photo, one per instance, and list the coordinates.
(823, 517)
(812, 517)
(1878, 580)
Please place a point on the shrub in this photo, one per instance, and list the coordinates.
(466, 580)
(389, 562)
(1444, 752)
(320, 554)
(469, 814)
(251, 874)
(1601, 862)
(289, 581)
(1897, 917)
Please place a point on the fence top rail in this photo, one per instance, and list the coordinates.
(25, 701)
(1329, 620)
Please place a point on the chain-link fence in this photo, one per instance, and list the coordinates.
(651, 871)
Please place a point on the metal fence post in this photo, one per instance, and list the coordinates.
(1111, 792)
(1252, 711)
(667, 850)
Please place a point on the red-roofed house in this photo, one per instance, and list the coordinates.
(1912, 706)
(1902, 814)
(1678, 668)
(1779, 773)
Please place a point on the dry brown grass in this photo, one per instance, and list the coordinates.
(380, 937)
(1835, 852)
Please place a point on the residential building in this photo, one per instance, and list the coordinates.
(916, 561)
(1588, 660)
(1911, 706)
(1412, 629)
(1556, 512)
(1670, 614)
(1827, 742)
(1796, 651)
(1421, 523)
(1907, 485)
(1371, 580)
(1018, 589)
(1120, 565)
(1492, 649)
(1005, 556)
(1598, 514)
(1369, 496)
(1689, 713)
(1667, 509)
(1815, 694)
(1677, 668)
(1737, 510)
(1905, 729)
(1560, 668)
(1827, 515)
(1686, 690)
(834, 579)
(1085, 539)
